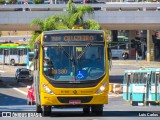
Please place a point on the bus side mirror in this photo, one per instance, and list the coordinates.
(36, 51)
(36, 54)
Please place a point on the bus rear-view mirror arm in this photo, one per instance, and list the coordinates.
(36, 54)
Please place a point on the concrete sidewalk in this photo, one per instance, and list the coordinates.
(139, 63)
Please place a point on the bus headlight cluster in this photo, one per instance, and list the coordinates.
(102, 88)
(46, 88)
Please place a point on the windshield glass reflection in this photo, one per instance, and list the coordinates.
(73, 63)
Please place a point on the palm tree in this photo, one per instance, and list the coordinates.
(74, 17)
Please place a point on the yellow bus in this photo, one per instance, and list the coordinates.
(71, 70)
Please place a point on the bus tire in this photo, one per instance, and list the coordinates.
(12, 62)
(131, 102)
(97, 109)
(38, 108)
(86, 110)
(46, 110)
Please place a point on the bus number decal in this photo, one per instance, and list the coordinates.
(59, 71)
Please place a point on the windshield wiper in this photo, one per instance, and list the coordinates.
(85, 49)
(65, 53)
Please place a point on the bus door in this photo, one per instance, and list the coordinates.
(157, 85)
(6, 56)
(20, 54)
(128, 86)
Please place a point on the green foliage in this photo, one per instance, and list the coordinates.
(0, 33)
(2, 1)
(108, 35)
(76, 14)
(12, 1)
(91, 24)
(56, 22)
(38, 1)
(74, 17)
(38, 22)
(32, 40)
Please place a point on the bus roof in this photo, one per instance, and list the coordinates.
(138, 71)
(153, 69)
(73, 31)
(13, 46)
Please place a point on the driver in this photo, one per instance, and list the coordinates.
(92, 61)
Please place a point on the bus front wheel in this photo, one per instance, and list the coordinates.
(97, 109)
(12, 62)
(38, 108)
(46, 110)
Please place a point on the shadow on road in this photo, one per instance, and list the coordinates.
(105, 114)
(7, 100)
(11, 82)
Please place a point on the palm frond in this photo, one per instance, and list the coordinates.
(32, 40)
(92, 24)
(38, 22)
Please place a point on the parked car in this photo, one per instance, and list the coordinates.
(18, 70)
(30, 95)
(23, 74)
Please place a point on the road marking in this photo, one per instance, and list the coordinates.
(24, 93)
(114, 95)
(1, 71)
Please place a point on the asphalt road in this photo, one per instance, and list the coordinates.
(11, 100)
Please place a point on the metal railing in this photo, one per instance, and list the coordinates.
(111, 6)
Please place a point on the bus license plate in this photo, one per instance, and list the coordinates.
(74, 102)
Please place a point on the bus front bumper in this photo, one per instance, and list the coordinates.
(79, 100)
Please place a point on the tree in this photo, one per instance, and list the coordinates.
(12, 1)
(74, 17)
(0, 33)
(2, 1)
(32, 40)
(38, 1)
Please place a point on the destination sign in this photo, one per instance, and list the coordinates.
(73, 37)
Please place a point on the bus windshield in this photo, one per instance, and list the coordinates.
(73, 63)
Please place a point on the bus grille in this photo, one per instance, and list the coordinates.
(82, 99)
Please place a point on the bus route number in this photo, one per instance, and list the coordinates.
(59, 71)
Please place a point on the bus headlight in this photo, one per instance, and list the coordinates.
(102, 88)
(46, 88)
